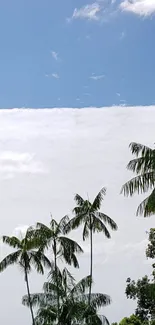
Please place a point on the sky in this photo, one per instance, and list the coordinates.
(46, 157)
(76, 53)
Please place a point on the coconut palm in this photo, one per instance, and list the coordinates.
(88, 213)
(53, 236)
(74, 306)
(143, 165)
(26, 256)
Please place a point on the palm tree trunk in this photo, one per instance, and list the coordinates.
(91, 260)
(29, 297)
(56, 275)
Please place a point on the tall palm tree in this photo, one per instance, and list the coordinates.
(53, 236)
(143, 165)
(74, 306)
(26, 255)
(88, 213)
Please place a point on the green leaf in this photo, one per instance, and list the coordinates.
(12, 241)
(140, 184)
(99, 226)
(147, 206)
(79, 200)
(98, 200)
(137, 148)
(107, 220)
(10, 259)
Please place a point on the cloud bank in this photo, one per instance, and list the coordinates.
(55, 153)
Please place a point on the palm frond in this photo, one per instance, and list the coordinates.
(86, 230)
(68, 249)
(74, 261)
(81, 286)
(107, 220)
(12, 241)
(76, 221)
(45, 231)
(147, 206)
(53, 272)
(141, 165)
(10, 259)
(70, 244)
(63, 223)
(99, 300)
(38, 259)
(50, 287)
(98, 200)
(99, 226)
(54, 226)
(138, 148)
(140, 184)
(79, 200)
(43, 259)
(36, 262)
(39, 299)
(46, 315)
(43, 235)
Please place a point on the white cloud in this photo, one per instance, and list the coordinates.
(20, 231)
(99, 77)
(54, 55)
(12, 163)
(90, 12)
(55, 75)
(139, 7)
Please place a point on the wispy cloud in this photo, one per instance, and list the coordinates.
(55, 75)
(97, 77)
(90, 12)
(54, 55)
(122, 35)
(139, 7)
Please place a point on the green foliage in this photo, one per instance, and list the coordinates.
(73, 296)
(88, 213)
(143, 291)
(54, 237)
(144, 168)
(27, 255)
(150, 251)
(63, 301)
(132, 320)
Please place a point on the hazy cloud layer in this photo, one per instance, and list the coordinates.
(73, 150)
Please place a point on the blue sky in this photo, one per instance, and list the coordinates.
(76, 53)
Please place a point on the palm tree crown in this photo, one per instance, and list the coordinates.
(62, 246)
(88, 213)
(74, 306)
(144, 167)
(26, 255)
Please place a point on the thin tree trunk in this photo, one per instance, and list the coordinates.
(91, 260)
(56, 274)
(29, 297)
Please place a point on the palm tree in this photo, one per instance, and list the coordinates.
(143, 165)
(26, 255)
(62, 246)
(88, 213)
(74, 307)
